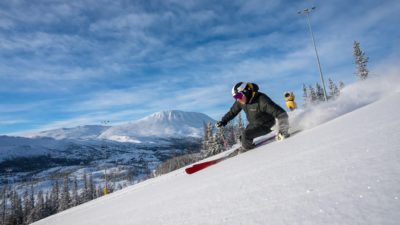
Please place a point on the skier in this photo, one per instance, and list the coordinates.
(289, 99)
(261, 113)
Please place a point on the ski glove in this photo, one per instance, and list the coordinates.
(282, 135)
(220, 124)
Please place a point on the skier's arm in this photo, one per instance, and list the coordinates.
(235, 109)
(270, 107)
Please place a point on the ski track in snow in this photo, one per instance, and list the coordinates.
(345, 171)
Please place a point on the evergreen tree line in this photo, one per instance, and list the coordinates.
(16, 209)
(314, 95)
(214, 141)
(175, 163)
(218, 140)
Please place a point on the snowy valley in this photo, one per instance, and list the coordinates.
(126, 153)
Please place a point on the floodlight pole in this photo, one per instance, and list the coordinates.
(307, 11)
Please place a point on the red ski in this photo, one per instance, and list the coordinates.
(199, 166)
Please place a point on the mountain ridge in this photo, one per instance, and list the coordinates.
(84, 147)
(164, 124)
(172, 123)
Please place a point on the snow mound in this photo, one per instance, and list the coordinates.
(352, 97)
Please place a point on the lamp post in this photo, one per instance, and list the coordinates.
(307, 11)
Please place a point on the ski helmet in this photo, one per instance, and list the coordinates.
(246, 88)
(239, 87)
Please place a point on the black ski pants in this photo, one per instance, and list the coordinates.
(252, 132)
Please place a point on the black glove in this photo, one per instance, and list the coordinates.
(220, 124)
(282, 135)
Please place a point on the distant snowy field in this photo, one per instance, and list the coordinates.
(344, 168)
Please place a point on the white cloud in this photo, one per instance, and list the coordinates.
(25, 107)
(118, 58)
(7, 122)
(124, 23)
(260, 7)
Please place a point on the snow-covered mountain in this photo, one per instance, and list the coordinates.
(165, 124)
(138, 147)
(85, 132)
(345, 170)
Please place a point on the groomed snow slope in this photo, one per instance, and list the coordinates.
(345, 171)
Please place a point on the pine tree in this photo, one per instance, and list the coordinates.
(47, 205)
(341, 85)
(240, 128)
(130, 176)
(221, 140)
(208, 141)
(306, 97)
(65, 197)
(16, 216)
(313, 95)
(216, 146)
(361, 61)
(30, 209)
(92, 189)
(75, 195)
(319, 92)
(210, 134)
(28, 206)
(54, 197)
(32, 197)
(39, 210)
(3, 205)
(205, 138)
(25, 209)
(111, 188)
(333, 89)
(100, 190)
(228, 134)
(19, 211)
(85, 192)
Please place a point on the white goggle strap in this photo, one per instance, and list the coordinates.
(242, 86)
(239, 89)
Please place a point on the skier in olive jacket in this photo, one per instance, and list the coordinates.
(261, 113)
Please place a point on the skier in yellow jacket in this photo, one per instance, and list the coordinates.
(289, 99)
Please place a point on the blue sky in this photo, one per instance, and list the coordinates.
(78, 62)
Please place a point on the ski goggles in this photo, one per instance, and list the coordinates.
(238, 95)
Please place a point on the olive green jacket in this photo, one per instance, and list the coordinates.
(260, 111)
